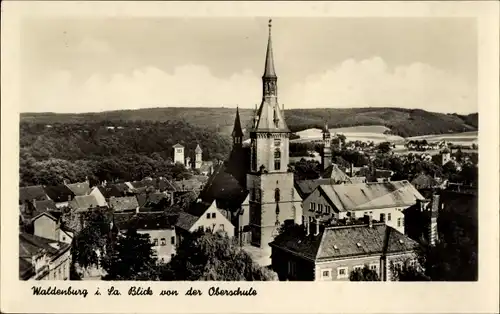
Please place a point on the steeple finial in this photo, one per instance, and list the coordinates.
(269, 68)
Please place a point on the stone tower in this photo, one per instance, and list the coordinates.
(198, 159)
(326, 157)
(273, 199)
(178, 154)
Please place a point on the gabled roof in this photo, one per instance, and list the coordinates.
(306, 187)
(80, 188)
(363, 196)
(178, 146)
(333, 172)
(423, 181)
(123, 203)
(187, 185)
(34, 192)
(185, 221)
(151, 198)
(342, 242)
(109, 191)
(54, 215)
(148, 221)
(84, 202)
(59, 193)
(45, 205)
(163, 184)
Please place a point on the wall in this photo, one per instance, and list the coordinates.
(45, 227)
(283, 262)
(101, 200)
(215, 224)
(166, 251)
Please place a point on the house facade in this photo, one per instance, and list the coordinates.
(48, 225)
(206, 217)
(331, 254)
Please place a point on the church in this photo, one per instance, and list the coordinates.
(254, 188)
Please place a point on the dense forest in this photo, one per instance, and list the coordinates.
(74, 151)
(403, 122)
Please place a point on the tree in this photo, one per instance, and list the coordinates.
(384, 147)
(364, 274)
(132, 258)
(213, 256)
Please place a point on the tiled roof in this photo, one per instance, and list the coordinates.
(30, 245)
(148, 221)
(185, 221)
(358, 179)
(423, 181)
(187, 185)
(198, 208)
(333, 172)
(84, 202)
(34, 192)
(122, 187)
(45, 205)
(362, 196)
(151, 198)
(163, 185)
(178, 146)
(59, 193)
(80, 188)
(306, 187)
(123, 203)
(111, 191)
(347, 241)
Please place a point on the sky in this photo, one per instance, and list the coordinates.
(91, 65)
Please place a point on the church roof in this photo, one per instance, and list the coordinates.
(237, 131)
(269, 67)
(178, 146)
(198, 149)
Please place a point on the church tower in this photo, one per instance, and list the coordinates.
(198, 159)
(273, 199)
(326, 157)
(237, 131)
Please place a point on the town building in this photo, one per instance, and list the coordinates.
(383, 201)
(49, 225)
(332, 253)
(178, 154)
(198, 160)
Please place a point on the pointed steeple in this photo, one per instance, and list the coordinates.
(325, 128)
(198, 150)
(269, 67)
(237, 131)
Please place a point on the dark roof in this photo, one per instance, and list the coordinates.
(143, 183)
(198, 208)
(306, 187)
(122, 187)
(123, 203)
(237, 131)
(120, 220)
(342, 242)
(148, 221)
(224, 188)
(45, 205)
(185, 221)
(55, 214)
(111, 191)
(84, 202)
(30, 245)
(163, 184)
(423, 181)
(335, 173)
(34, 192)
(80, 188)
(148, 199)
(59, 193)
(187, 185)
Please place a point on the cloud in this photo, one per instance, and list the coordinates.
(353, 83)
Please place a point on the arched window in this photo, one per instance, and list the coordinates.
(277, 195)
(277, 153)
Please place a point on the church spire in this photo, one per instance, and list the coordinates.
(269, 71)
(237, 131)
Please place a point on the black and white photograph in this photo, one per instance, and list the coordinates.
(249, 148)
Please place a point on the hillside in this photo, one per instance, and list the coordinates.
(402, 122)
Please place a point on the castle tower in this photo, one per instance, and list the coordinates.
(273, 199)
(326, 157)
(178, 154)
(198, 159)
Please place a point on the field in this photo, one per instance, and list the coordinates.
(463, 138)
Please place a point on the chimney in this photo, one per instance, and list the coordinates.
(433, 220)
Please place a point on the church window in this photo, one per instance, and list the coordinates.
(179, 150)
(277, 195)
(277, 143)
(277, 153)
(277, 164)
(254, 156)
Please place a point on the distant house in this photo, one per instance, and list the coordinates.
(206, 168)
(306, 187)
(187, 185)
(334, 173)
(49, 225)
(83, 203)
(384, 202)
(160, 228)
(32, 193)
(80, 188)
(124, 204)
(111, 190)
(332, 253)
(205, 217)
(101, 200)
(149, 199)
(43, 259)
(424, 181)
(60, 194)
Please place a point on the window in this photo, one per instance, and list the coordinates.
(320, 208)
(277, 195)
(358, 267)
(399, 222)
(222, 227)
(207, 229)
(155, 242)
(213, 215)
(389, 217)
(382, 217)
(326, 274)
(277, 143)
(277, 153)
(208, 215)
(163, 242)
(313, 206)
(64, 238)
(373, 267)
(277, 164)
(172, 240)
(327, 209)
(398, 266)
(179, 150)
(342, 272)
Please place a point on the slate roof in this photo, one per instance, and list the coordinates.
(123, 203)
(187, 185)
(34, 192)
(84, 202)
(59, 193)
(163, 185)
(80, 188)
(122, 187)
(333, 172)
(363, 196)
(198, 149)
(151, 198)
(306, 187)
(147, 221)
(342, 242)
(45, 205)
(109, 191)
(30, 245)
(185, 221)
